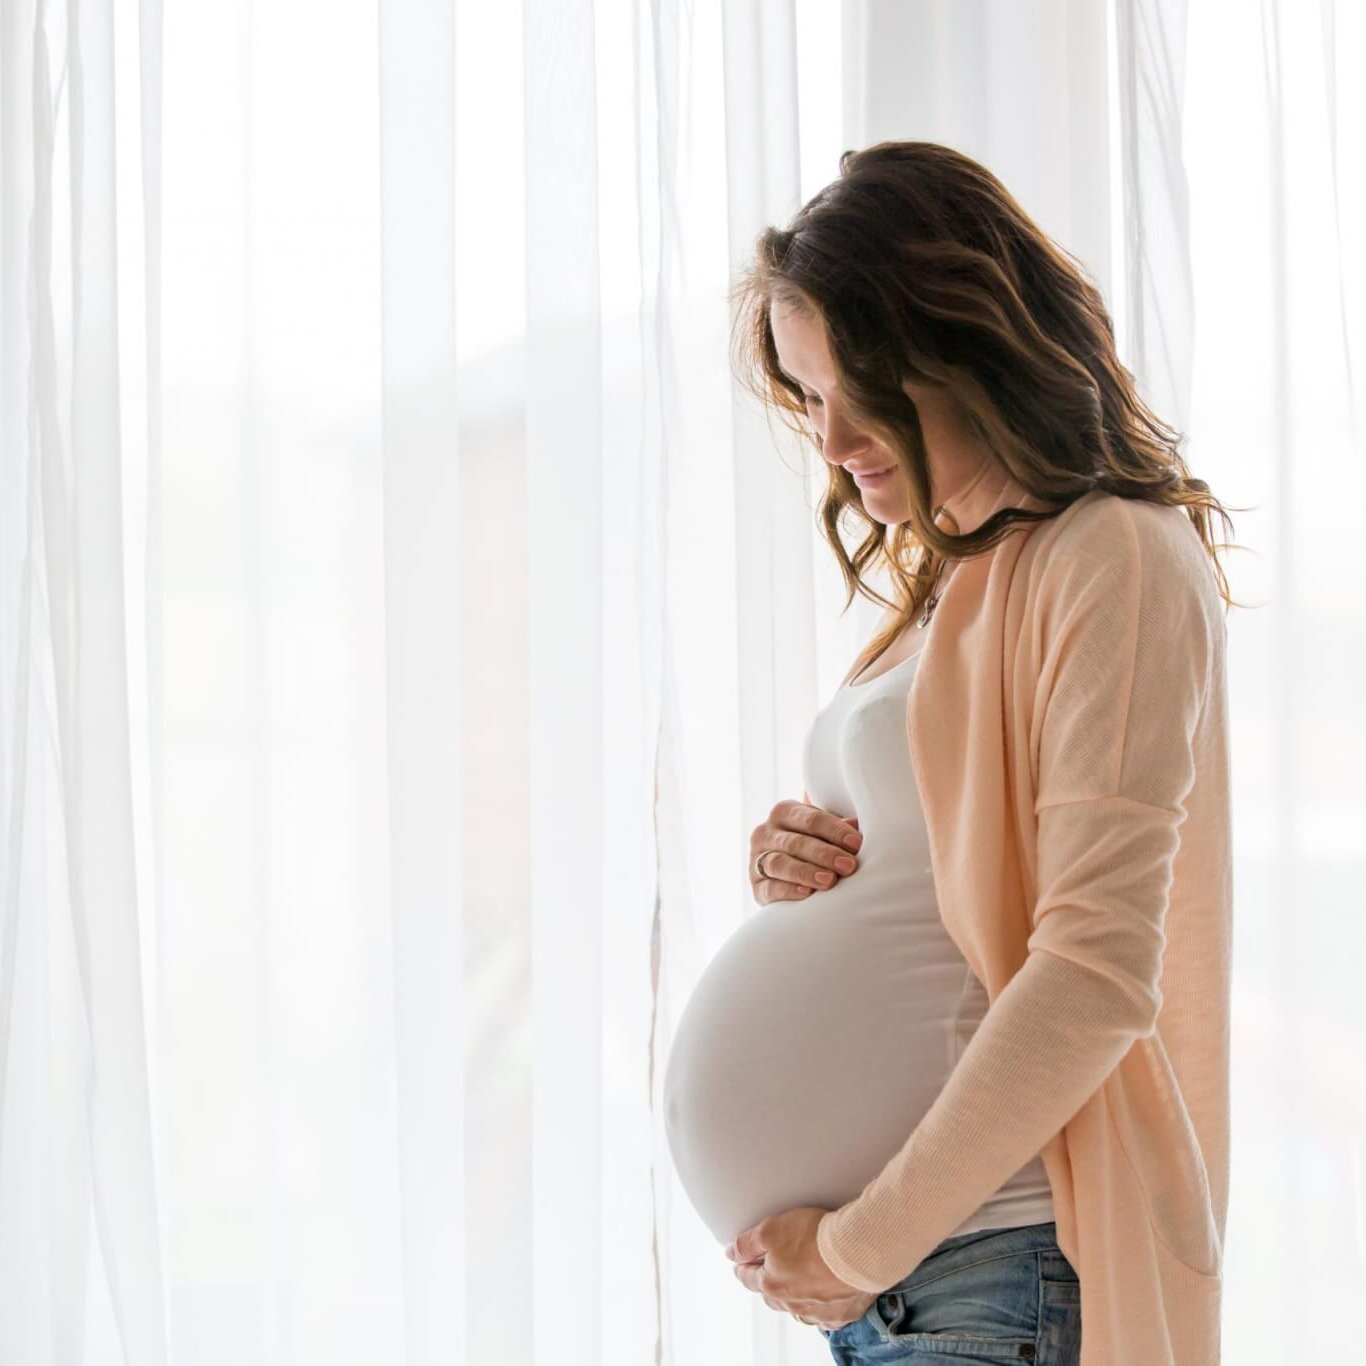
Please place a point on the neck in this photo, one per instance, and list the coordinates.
(985, 492)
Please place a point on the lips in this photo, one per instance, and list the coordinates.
(873, 478)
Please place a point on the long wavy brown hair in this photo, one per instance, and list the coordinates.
(921, 266)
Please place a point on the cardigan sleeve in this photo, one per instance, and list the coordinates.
(1125, 630)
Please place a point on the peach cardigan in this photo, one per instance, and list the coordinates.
(1067, 723)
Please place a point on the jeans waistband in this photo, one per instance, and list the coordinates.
(967, 1249)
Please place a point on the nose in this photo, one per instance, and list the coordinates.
(842, 440)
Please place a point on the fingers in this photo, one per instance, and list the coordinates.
(807, 860)
(773, 889)
(805, 819)
(832, 1313)
(822, 856)
(750, 1275)
(817, 1313)
(806, 849)
(836, 830)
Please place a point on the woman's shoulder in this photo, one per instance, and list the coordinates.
(1127, 558)
(1126, 535)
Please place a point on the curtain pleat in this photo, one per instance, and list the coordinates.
(75, 1093)
(421, 490)
(1159, 325)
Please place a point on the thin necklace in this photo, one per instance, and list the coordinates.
(933, 600)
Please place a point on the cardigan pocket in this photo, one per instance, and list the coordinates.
(1163, 1153)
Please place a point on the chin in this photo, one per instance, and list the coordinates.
(885, 505)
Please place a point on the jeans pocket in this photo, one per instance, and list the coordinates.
(1060, 1322)
(987, 1311)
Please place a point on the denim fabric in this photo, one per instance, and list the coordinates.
(992, 1296)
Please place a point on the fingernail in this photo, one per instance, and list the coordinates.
(853, 842)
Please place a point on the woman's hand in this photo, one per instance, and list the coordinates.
(779, 1259)
(812, 849)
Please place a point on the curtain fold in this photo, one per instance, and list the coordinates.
(1158, 326)
(420, 494)
(76, 1153)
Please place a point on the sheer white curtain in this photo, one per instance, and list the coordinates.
(1275, 143)
(403, 622)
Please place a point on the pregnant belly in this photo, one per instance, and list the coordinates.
(809, 1050)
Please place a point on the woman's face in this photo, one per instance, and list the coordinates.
(955, 456)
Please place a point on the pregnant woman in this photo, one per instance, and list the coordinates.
(959, 1088)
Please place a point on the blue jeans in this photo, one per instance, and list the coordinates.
(996, 1295)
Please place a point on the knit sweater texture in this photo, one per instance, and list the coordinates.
(1067, 725)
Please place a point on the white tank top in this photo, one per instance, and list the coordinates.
(823, 1029)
